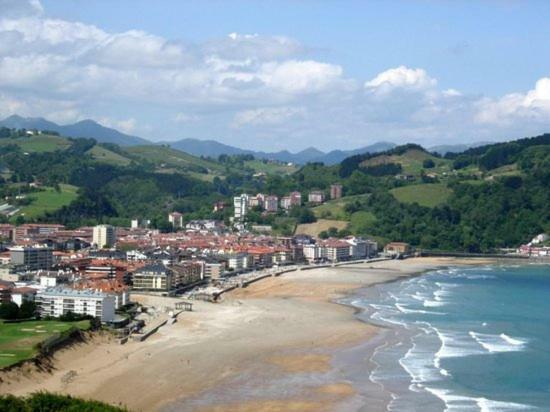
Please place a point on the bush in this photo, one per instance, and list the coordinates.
(49, 402)
(428, 164)
(9, 311)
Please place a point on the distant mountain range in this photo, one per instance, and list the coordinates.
(455, 148)
(212, 148)
(206, 148)
(84, 128)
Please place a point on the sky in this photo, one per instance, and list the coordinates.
(273, 75)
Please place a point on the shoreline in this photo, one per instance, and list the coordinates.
(283, 332)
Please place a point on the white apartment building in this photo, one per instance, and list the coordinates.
(239, 261)
(312, 253)
(286, 202)
(361, 248)
(104, 236)
(56, 302)
(336, 250)
(176, 219)
(316, 196)
(240, 204)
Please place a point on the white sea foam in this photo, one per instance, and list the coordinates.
(433, 303)
(498, 343)
(455, 402)
(455, 345)
(513, 341)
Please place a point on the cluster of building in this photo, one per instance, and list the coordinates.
(94, 270)
(270, 203)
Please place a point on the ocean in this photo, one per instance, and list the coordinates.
(462, 339)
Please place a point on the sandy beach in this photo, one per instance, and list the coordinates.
(267, 347)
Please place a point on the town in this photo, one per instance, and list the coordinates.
(94, 271)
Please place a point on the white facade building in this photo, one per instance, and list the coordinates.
(176, 219)
(56, 302)
(104, 236)
(240, 204)
(239, 261)
(312, 253)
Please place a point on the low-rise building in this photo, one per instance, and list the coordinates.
(187, 273)
(286, 202)
(362, 248)
(152, 277)
(56, 302)
(239, 261)
(32, 257)
(312, 252)
(335, 250)
(316, 196)
(397, 248)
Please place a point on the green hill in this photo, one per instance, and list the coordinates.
(428, 195)
(165, 159)
(38, 143)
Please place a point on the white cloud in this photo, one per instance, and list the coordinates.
(532, 106)
(267, 116)
(402, 78)
(244, 86)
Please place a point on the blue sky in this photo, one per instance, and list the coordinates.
(294, 74)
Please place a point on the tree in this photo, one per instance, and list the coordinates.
(9, 311)
(428, 164)
(27, 309)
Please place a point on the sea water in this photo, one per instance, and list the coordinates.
(475, 338)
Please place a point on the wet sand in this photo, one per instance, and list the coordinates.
(267, 347)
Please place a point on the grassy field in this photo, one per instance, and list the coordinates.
(270, 167)
(48, 200)
(429, 195)
(334, 209)
(101, 154)
(41, 143)
(411, 162)
(313, 229)
(166, 157)
(361, 221)
(18, 341)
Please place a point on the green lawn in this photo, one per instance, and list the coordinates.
(48, 200)
(429, 195)
(18, 341)
(334, 209)
(168, 158)
(40, 143)
(412, 162)
(101, 154)
(270, 167)
(361, 221)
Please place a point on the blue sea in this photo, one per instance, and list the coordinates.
(464, 339)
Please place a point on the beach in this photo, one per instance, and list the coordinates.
(267, 347)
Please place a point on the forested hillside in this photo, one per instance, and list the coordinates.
(484, 198)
